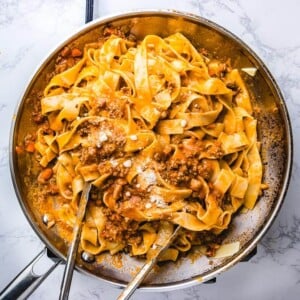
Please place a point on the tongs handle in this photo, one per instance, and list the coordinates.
(89, 11)
(147, 267)
(25, 283)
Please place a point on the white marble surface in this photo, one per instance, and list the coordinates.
(29, 28)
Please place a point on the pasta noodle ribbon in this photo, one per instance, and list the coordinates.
(165, 135)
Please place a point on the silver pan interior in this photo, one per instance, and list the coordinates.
(274, 132)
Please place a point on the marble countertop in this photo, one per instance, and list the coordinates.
(29, 28)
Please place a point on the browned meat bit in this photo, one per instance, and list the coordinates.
(115, 109)
(164, 154)
(233, 86)
(170, 86)
(53, 189)
(119, 31)
(157, 156)
(89, 155)
(120, 171)
(117, 189)
(218, 69)
(101, 102)
(67, 58)
(134, 238)
(215, 150)
(38, 118)
(211, 249)
(135, 200)
(105, 168)
(46, 129)
(19, 149)
(185, 171)
(61, 66)
(29, 142)
(175, 171)
(98, 105)
(109, 30)
(83, 131)
(120, 229)
(204, 169)
(107, 149)
(203, 51)
(104, 106)
(128, 203)
(195, 184)
(66, 51)
(49, 186)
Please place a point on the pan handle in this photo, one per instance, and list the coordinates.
(27, 281)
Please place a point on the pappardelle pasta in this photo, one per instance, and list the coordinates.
(165, 135)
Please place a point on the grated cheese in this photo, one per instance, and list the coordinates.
(158, 201)
(114, 163)
(150, 177)
(127, 163)
(226, 250)
(133, 137)
(154, 246)
(183, 123)
(139, 169)
(250, 71)
(103, 137)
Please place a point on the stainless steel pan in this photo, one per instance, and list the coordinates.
(274, 132)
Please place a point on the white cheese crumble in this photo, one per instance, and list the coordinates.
(133, 137)
(150, 177)
(139, 169)
(138, 185)
(148, 205)
(114, 163)
(250, 71)
(127, 194)
(183, 123)
(103, 137)
(127, 163)
(158, 200)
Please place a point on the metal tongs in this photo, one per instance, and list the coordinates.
(144, 271)
(68, 272)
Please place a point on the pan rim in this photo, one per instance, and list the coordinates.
(201, 21)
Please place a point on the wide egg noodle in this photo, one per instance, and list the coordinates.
(169, 106)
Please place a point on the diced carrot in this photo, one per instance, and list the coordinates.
(30, 146)
(75, 52)
(19, 149)
(45, 175)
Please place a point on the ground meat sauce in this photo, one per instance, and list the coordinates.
(110, 143)
(119, 229)
(67, 58)
(185, 171)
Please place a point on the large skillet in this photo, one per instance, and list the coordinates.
(274, 132)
